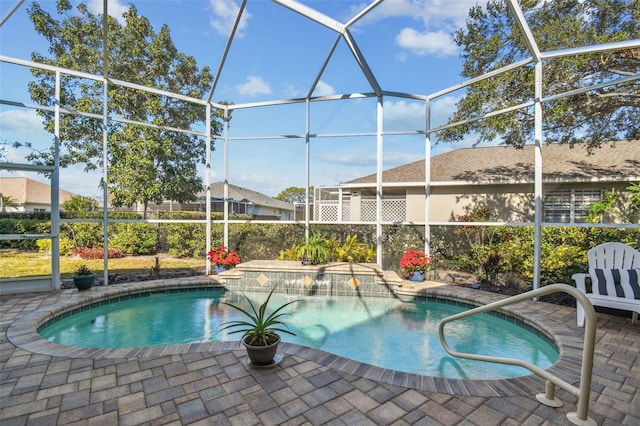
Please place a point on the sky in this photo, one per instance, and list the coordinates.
(277, 54)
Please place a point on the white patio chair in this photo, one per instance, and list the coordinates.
(614, 269)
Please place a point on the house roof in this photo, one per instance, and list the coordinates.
(29, 191)
(613, 161)
(237, 193)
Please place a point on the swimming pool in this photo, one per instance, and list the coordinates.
(384, 332)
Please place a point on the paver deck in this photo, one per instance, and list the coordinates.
(212, 384)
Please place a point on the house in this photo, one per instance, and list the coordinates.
(247, 201)
(29, 195)
(241, 200)
(500, 178)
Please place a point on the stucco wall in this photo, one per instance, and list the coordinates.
(509, 202)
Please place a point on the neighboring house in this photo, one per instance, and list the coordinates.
(30, 195)
(241, 200)
(499, 178)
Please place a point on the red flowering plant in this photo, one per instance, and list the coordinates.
(415, 261)
(221, 256)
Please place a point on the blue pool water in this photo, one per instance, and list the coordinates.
(385, 332)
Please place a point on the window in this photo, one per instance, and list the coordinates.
(569, 205)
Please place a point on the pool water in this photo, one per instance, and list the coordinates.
(384, 332)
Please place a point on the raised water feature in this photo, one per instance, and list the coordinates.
(334, 279)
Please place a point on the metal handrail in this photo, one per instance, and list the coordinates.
(581, 416)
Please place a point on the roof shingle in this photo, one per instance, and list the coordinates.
(238, 193)
(614, 161)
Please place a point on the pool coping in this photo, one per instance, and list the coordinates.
(23, 334)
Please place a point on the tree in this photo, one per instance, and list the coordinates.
(491, 40)
(3, 149)
(145, 164)
(7, 201)
(294, 194)
(80, 203)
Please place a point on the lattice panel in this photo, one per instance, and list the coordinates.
(368, 211)
(327, 211)
(346, 211)
(394, 210)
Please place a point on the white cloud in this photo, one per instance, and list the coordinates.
(10, 155)
(435, 13)
(20, 121)
(433, 34)
(290, 91)
(442, 108)
(455, 11)
(323, 89)
(437, 43)
(361, 159)
(224, 16)
(387, 9)
(396, 158)
(114, 7)
(402, 56)
(403, 115)
(254, 86)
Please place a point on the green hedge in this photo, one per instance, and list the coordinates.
(30, 225)
(490, 252)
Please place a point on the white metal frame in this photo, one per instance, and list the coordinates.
(342, 30)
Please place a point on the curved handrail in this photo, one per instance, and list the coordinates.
(581, 416)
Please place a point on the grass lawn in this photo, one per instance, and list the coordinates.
(15, 264)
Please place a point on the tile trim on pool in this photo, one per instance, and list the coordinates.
(23, 334)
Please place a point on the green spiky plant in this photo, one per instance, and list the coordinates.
(314, 249)
(83, 270)
(259, 329)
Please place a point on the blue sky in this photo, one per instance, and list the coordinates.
(277, 54)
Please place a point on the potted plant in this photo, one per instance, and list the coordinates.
(83, 278)
(223, 259)
(415, 263)
(260, 329)
(313, 251)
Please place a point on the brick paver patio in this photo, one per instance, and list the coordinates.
(212, 384)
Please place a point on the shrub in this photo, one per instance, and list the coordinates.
(186, 239)
(96, 253)
(290, 253)
(351, 250)
(492, 266)
(83, 234)
(134, 238)
(44, 245)
(396, 240)
(337, 251)
(27, 225)
(262, 241)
